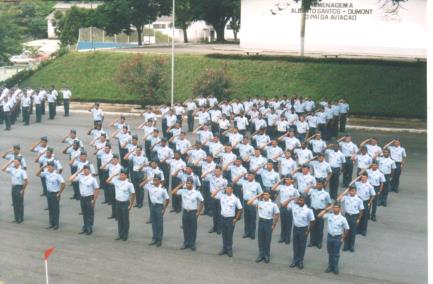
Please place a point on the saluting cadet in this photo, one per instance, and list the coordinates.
(337, 233)
(363, 160)
(192, 204)
(377, 179)
(354, 209)
(159, 200)
(257, 163)
(317, 144)
(74, 152)
(125, 198)
(43, 159)
(366, 192)
(37, 100)
(321, 169)
(97, 113)
(349, 150)
(287, 166)
(15, 153)
(231, 212)
(207, 169)
(303, 155)
(319, 199)
(124, 138)
(268, 219)
(290, 142)
(398, 154)
(113, 166)
(302, 128)
(250, 188)
(52, 98)
(55, 186)
(164, 154)
(177, 166)
(89, 191)
(303, 219)
(344, 110)
(269, 178)
(336, 160)
(217, 181)
(373, 149)
(138, 161)
(7, 110)
(304, 181)
(388, 167)
(19, 182)
(287, 193)
(237, 174)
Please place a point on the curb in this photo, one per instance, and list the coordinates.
(354, 127)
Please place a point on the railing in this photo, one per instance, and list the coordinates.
(8, 71)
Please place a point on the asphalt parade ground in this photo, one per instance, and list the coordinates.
(394, 251)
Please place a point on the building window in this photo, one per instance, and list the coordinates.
(159, 26)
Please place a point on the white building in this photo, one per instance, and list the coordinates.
(62, 7)
(336, 27)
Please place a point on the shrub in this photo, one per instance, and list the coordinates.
(213, 82)
(145, 79)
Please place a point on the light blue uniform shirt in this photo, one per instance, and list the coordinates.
(269, 178)
(17, 175)
(53, 180)
(386, 165)
(319, 198)
(365, 190)
(12, 156)
(123, 189)
(321, 170)
(352, 204)
(87, 184)
(190, 198)
(229, 204)
(157, 194)
(267, 209)
(336, 224)
(375, 178)
(251, 189)
(286, 192)
(302, 216)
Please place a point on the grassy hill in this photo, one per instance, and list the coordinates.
(371, 87)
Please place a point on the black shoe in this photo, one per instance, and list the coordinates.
(373, 218)
(56, 227)
(300, 265)
(89, 232)
(46, 209)
(336, 272)
(211, 231)
(42, 194)
(183, 247)
(111, 217)
(310, 245)
(352, 250)
(14, 221)
(105, 202)
(222, 252)
(50, 227)
(193, 248)
(19, 221)
(319, 246)
(158, 244)
(267, 259)
(287, 242)
(125, 239)
(293, 264)
(384, 204)
(253, 237)
(135, 205)
(152, 243)
(82, 232)
(229, 253)
(345, 249)
(259, 259)
(73, 197)
(148, 222)
(245, 236)
(328, 270)
(219, 233)
(172, 210)
(280, 241)
(118, 238)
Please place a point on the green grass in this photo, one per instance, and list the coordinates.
(372, 87)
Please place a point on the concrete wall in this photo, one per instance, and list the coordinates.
(352, 26)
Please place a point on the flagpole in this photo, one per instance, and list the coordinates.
(46, 270)
(172, 52)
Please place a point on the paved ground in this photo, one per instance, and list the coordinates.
(395, 250)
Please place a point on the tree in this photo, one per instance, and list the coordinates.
(10, 35)
(146, 79)
(184, 16)
(217, 13)
(214, 82)
(118, 16)
(69, 23)
(235, 25)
